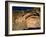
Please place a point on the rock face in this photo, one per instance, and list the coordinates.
(33, 22)
(26, 21)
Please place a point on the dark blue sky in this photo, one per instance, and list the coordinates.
(21, 8)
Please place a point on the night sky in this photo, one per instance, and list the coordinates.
(21, 8)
